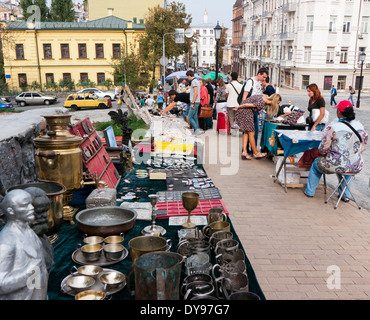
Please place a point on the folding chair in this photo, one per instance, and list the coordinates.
(352, 175)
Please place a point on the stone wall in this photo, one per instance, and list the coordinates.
(17, 150)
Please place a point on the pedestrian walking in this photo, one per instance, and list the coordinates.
(351, 93)
(333, 93)
(160, 100)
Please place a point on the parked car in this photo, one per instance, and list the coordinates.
(76, 101)
(99, 93)
(6, 99)
(6, 105)
(26, 98)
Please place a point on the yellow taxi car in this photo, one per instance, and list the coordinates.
(76, 101)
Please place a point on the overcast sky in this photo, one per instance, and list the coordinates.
(218, 10)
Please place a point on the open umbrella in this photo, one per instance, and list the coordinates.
(212, 76)
(180, 75)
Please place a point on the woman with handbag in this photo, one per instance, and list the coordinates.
(316, 102)
(205, 111)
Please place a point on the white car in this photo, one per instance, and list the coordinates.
(99, 93)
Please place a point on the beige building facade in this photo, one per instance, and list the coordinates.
(67, 51)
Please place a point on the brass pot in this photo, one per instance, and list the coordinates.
(58, 155)
(145, 244)
(54, 192)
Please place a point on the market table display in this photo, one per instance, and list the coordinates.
(231, 267)
(268, 130)
(294, 142)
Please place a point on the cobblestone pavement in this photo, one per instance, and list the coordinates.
(300, 248)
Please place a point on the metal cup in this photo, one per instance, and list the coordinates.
(92, 252)
(93, 240)
(195, 277)
(197, 263)
(226, 246)
(113, 251)
(214, 227)
(145, 244)
(114, 239)
(216, 214)
(218, 236)
(198, 289)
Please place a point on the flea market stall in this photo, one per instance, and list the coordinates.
(159, 231)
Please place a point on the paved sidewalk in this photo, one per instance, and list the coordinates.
(293, 242)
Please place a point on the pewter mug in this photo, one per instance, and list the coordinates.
(194, 278)
(198, 289)
(226, 246)
(218, 236)
(216, 214)
(197, 263)
(214, 227)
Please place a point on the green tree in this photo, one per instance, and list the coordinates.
(44, 12)
(158, 22)
(132, 70)
(62, 11)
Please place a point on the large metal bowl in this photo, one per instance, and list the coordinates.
(106, 221)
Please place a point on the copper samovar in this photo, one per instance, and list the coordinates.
(59, 158)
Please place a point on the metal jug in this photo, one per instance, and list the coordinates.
(157, 276)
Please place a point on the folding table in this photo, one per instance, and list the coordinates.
(294, 142)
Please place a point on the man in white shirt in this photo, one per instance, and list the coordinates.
(150, 102)
(233, 90)
(254, 86)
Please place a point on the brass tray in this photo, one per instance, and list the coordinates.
(79, 258)
(98, 286)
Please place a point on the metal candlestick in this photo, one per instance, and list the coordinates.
(154, 229)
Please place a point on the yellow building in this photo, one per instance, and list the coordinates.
(54, 51)
(125, 9)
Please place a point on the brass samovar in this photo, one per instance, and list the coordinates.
(59, 158)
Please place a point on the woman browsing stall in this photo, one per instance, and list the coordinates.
(244, 119)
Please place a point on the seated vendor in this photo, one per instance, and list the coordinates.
(176, 97)
(340, 150)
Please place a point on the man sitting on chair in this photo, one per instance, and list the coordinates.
(340, 150)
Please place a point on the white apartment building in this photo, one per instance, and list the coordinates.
(307, 41)
(205, 47)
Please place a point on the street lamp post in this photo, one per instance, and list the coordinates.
(218, 31)
(362, 59)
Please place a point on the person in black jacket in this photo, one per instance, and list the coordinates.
(173, 94)
(209, 121)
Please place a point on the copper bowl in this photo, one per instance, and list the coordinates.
(106, 221)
